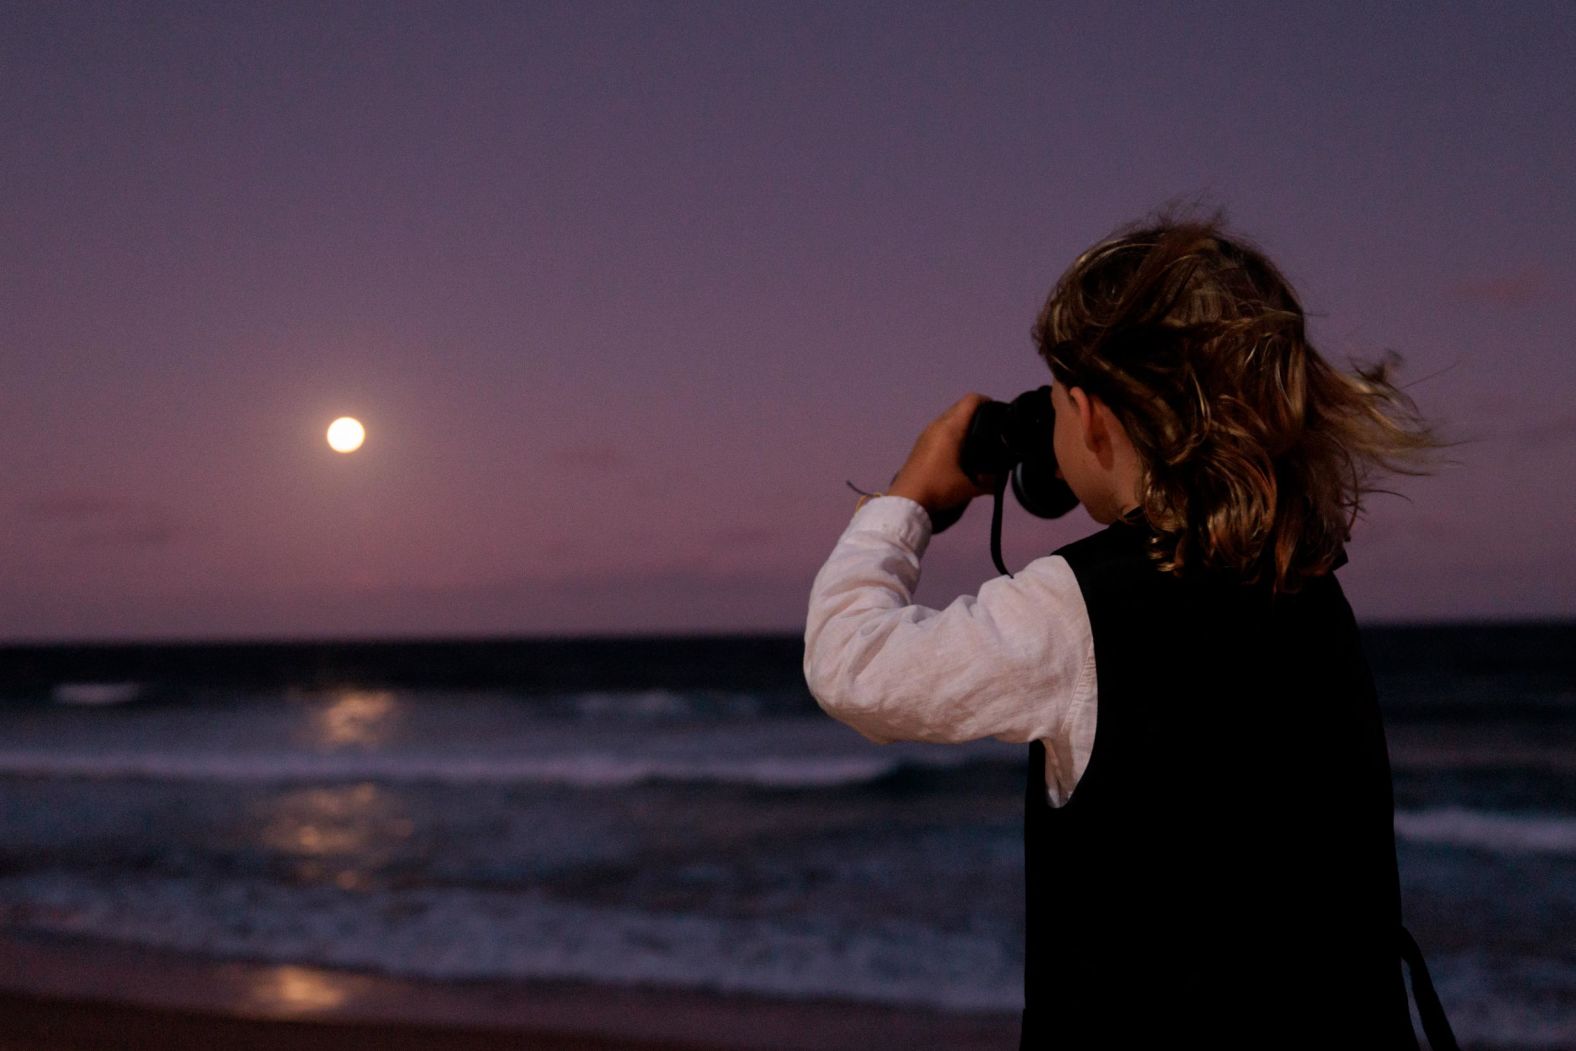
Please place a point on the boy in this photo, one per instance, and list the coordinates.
(1208, 818)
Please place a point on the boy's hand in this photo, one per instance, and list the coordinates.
(932, 477)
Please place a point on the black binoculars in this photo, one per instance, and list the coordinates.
(1011, 442)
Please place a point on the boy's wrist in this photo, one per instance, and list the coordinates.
(913, 493)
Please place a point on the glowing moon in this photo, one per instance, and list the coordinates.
(346, 434)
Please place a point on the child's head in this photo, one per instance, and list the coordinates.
(1246, 451)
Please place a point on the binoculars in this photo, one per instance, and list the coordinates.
(1011, 442)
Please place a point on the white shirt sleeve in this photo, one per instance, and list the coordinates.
(1015, 663)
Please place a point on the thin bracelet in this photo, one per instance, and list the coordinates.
(862, 499)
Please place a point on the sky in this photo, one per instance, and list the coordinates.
(626, 293)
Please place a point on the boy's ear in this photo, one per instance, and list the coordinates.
(1088, 418)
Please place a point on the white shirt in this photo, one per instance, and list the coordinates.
(1015, 663)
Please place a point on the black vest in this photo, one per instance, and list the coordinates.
(1225, 869)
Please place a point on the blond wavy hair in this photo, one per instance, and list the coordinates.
(1257, 454)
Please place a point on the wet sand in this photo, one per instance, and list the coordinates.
(58, 994)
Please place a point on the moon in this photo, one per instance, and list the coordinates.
(346, 434)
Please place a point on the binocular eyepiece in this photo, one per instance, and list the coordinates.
(1011, 442)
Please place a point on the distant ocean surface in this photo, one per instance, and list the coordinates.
(680, 812)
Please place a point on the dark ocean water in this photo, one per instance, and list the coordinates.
(680, 812)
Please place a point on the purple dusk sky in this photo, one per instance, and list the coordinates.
(625, 292)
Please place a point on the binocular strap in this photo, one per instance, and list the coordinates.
(995, 526)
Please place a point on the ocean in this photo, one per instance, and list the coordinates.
(679, 812)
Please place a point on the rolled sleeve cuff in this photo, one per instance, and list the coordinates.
(895, 517)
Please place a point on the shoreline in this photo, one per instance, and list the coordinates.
(59, 993)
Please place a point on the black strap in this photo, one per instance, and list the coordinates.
(995, 525)
(1436, 1027)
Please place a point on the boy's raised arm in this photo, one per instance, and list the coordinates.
(1009, 663)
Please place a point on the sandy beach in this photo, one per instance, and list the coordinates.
(58, 994)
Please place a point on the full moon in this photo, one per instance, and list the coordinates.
(346, 434)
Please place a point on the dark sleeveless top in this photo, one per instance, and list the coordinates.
(1225, 869)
